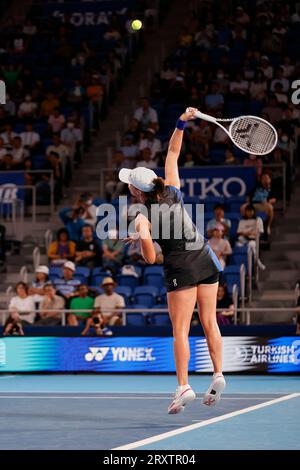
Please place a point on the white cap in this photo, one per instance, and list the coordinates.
(141, 178)
(69, 265)
(42, 269)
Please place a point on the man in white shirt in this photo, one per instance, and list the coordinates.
(151, 142)
(27, 108)
(90, 210)
(8, 134)
(30, 139)
(266, 68)
(280, 79)
(239, 86)
(146, 115)
(109, 302)
(56, 121)
(60, 148)
(18, 151)
(71, 136)
(147, 161)
(23, 304)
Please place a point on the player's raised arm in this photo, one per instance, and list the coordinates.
(171, 164)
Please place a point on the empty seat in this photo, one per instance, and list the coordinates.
(83, 270)
(231, 276)
(135, 319)
(145, 295)
(154, 276)
(97, 280)
(160, 319)
(127, 280)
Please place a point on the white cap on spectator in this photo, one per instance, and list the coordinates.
(141, 178)
(42, 269)
(265, 57)
(70, 265)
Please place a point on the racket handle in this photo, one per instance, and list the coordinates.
(205, 117)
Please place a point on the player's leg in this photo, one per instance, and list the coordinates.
(181, 305)
(207, 300)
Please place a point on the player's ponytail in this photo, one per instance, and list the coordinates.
(157, 192)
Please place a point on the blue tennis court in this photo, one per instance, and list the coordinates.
(129, 412)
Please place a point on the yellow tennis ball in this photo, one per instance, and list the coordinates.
(136, 25)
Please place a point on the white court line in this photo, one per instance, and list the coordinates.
(64, 397)
(191, 427)
(7, 377)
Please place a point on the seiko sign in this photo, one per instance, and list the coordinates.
(215, 186)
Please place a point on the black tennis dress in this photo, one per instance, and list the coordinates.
(188, 259)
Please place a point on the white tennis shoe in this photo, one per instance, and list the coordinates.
(213, 394)
(183, 395)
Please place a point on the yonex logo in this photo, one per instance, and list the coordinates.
(97, 354)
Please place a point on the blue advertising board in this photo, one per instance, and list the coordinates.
(89, 13)
(145, 354)
(216, 181)
(9, 180)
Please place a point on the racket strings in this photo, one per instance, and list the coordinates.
(253, 135)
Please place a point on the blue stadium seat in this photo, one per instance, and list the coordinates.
(99, 270)
(154, 279)
(82, 278)
(160, 319)
(127, 280)
(55, 271)
(154, 276)
(234, 203)
(238, 260)
(240, 250)
(155, 269)
(231, 275)
(97, 279)
(125, 291)
(136, 319)
(145, 295)
(234, 218)
(83, 270)
(163, 295)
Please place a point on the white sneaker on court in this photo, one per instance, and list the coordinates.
(183, 395)
(213, 394)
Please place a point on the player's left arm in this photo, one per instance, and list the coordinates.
(142, 226)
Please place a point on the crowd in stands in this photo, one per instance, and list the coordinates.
(226, 64)
(59, 84)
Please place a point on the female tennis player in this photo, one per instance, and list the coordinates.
(191, 268)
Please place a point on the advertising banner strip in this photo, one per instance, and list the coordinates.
(145, 354)
(216, 181)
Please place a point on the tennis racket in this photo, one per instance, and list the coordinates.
(249, 133)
